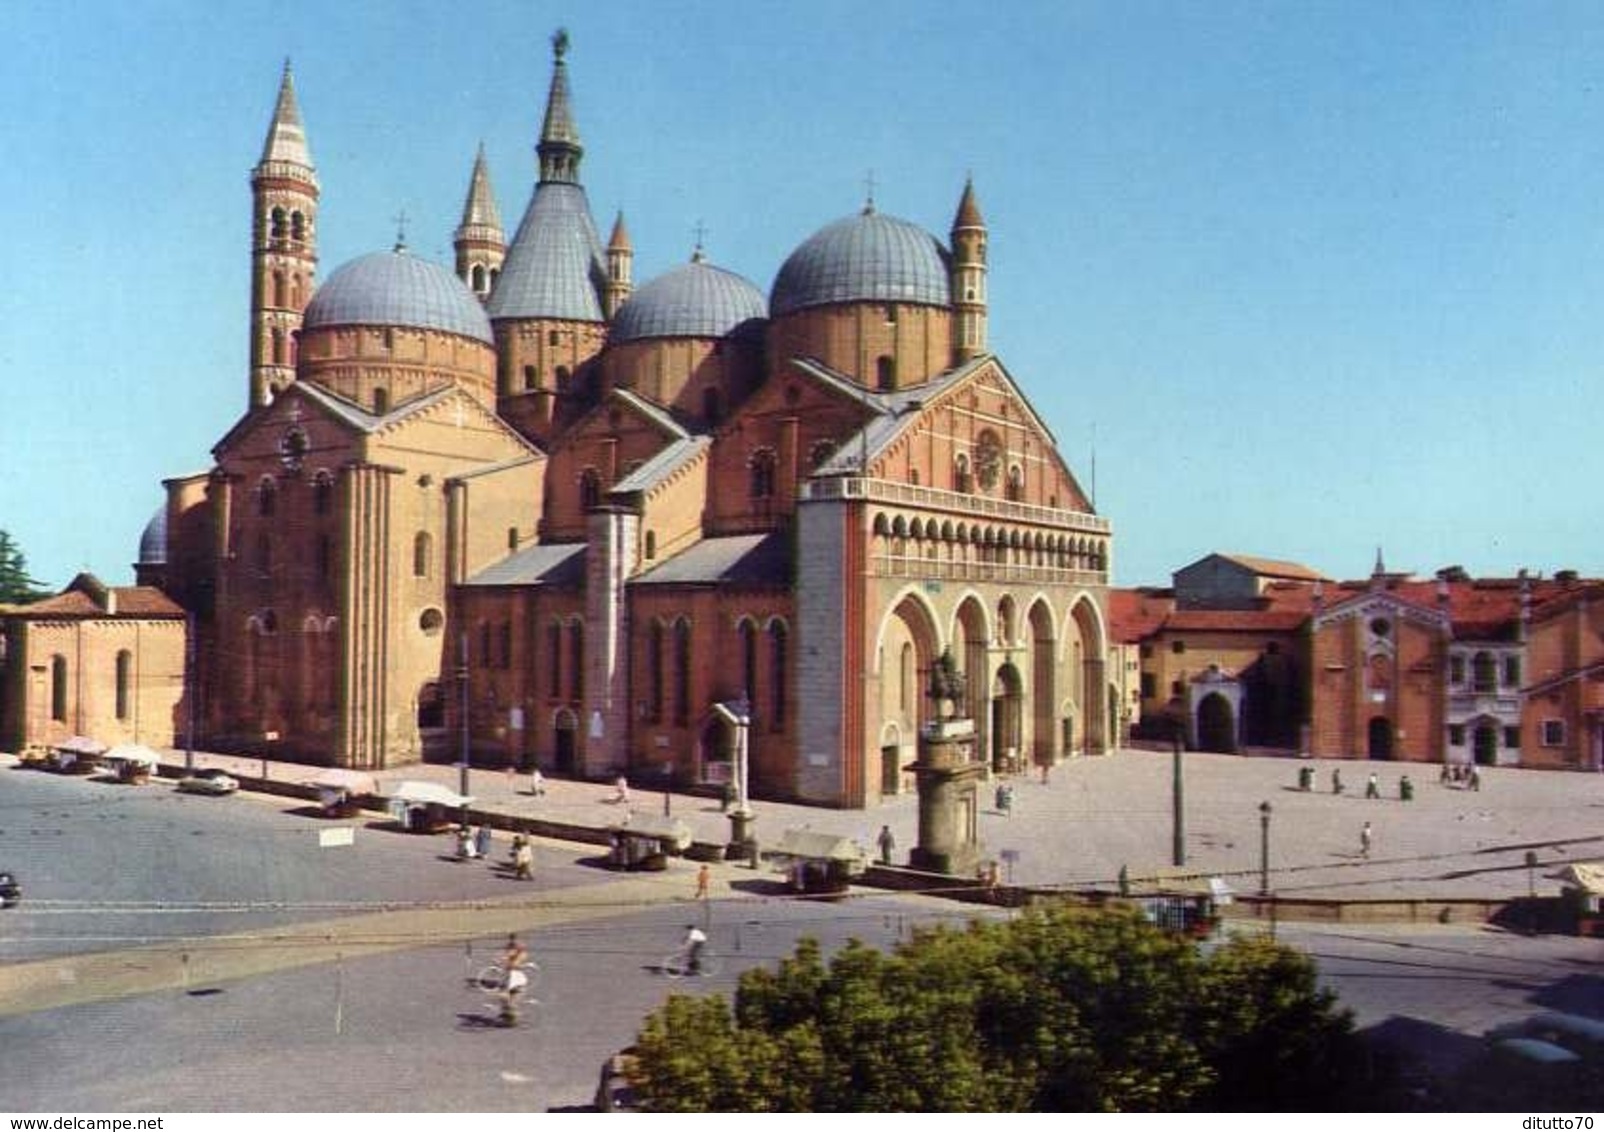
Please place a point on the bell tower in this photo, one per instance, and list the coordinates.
(284, 196)
(968, 279)
(480, 243)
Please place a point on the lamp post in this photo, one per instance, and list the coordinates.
(462, 677)
(1178, 799)
(1264, 848)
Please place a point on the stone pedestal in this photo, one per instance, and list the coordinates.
(949, 799)
(742, 845)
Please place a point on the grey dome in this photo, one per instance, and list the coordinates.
(153, 543)
(554, 268)
(869, 257)
(697, 300)
(396, 289)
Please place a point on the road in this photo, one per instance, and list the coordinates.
(336, 978)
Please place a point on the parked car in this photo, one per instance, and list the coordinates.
(10, 890)
(209, 781)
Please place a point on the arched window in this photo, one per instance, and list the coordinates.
(552, 338)
(58, 689)
(1016, 484)
(651, 545)
(278, 228)
(885, 373)
(762, 467)
(422, 554)
(777, 674)
(322, 493)
(589, 489)
(654, 663)
(1484, 672)
(504, 633)
(748, 661)
(554, 659)
(266, 497)
(576, 659)
(381, 401)
(125, 664)
(961, 480)
(682, 671)
(531, 377)
(297, 226)
(477, 278)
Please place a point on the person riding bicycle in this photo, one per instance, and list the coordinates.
(513, 958)
(695, 945)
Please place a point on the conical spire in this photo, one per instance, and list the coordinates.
(559, 146)
(479, 210)
(286, 137)
(968, 210)
(619, 241)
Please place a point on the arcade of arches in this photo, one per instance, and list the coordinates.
(1033, 668)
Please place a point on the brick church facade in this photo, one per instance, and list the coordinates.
(570, 518)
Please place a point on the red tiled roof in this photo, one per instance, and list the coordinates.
(1235, 620)
(1134, 615)
(1274, 568)
(130, 601)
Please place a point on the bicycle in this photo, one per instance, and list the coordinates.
(493, 976)
(677, 964)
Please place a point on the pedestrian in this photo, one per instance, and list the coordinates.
(1364, 841)
(1442, 778)
(1475, 779)
(1046, 771)
(481, 841)
(1406, 789)
(887, 844)
(1372, 786)
(537, 783)
(465, 846)
(622, 787)
(1336, 781)
(523, 860)
(704, 877)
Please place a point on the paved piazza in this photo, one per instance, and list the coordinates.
(1096, 814)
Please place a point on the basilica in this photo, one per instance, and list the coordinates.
(528, 509)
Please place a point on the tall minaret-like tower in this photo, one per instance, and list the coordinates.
(620, 267)
(284, 194)
(480, 242)
(968, 279)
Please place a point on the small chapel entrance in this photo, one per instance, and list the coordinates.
(1216, 729)
(565, 746)
(1485, 744)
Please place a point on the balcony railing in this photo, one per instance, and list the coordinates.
(939, 570)
(957, 503)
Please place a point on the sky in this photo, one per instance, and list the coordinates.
(1296, 280)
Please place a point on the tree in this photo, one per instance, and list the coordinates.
(15, 584)
(1059, 1010)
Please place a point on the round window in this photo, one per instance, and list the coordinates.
(431, 621)
(1380, 626)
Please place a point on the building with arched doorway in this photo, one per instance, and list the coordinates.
(525, 505)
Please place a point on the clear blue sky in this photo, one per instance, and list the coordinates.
(1310, 278)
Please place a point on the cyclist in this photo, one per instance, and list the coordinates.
(695, 944)
(513, 957)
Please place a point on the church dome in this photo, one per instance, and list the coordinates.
(868, 257)
(153, 543)
(696, 300)
(396, 289)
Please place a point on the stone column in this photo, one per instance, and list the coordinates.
(949, 798)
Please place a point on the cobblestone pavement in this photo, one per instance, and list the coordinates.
(1096, 814)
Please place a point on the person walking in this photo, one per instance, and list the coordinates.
(515, 979)
(1364, 841)
(481, 841)
(622, 787)
(704, 878)
(523, 860)
(1336, 781)
(1373, 786)
(537, 784)
(888, 844)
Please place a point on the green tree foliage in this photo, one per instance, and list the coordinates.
(1058, 1010)
(15, 584)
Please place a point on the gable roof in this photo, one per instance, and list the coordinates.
(1273, 567)
(87, 597)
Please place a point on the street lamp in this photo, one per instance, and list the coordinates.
(1178, 798)
(1264, 848)
(462, 677)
